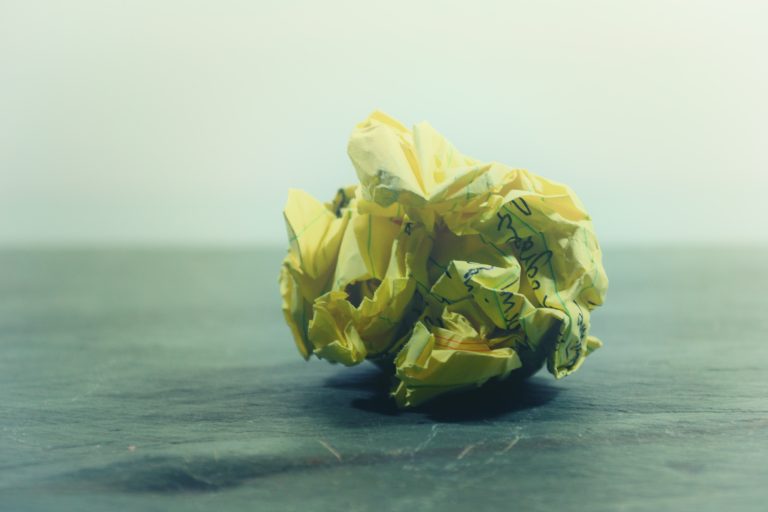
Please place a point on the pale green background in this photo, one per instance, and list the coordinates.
(186, 122)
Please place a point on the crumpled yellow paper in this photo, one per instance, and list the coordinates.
(457, 271)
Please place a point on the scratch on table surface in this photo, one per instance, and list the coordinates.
(508, 446)
(430, 437)
(465, 451)
(331, 449)
(511, 444)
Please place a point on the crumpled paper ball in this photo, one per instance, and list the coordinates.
(445, 270)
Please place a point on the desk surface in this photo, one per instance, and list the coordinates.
(164, 380)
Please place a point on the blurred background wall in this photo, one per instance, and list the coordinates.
(185, 122)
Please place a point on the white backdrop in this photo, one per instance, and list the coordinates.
(186, 122)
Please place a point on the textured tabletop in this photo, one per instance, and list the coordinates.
(167, 380)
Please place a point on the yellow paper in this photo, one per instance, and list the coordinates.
(455, 270)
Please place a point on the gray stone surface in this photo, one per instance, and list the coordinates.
(166, 380)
